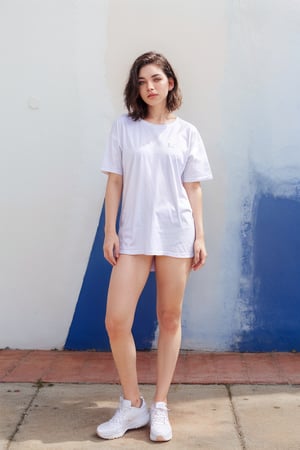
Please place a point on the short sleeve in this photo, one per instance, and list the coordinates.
(112, 159)
(197, 166)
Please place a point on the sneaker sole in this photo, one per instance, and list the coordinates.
(119, 435)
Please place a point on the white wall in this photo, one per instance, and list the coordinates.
(64, 65)
(54, 113)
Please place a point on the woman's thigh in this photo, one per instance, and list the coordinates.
(171, 278)
(127, 281)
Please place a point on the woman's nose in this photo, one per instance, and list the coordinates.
(149, 86)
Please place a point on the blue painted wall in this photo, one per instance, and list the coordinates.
(274, 294)
(87, 330)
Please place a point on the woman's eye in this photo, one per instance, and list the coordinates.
(157, 79)
(140, 83)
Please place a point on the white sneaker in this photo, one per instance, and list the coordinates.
(160, 428)
(125, 418)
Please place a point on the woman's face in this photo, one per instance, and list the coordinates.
(154, 85)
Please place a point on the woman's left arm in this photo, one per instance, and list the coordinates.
(194, 193)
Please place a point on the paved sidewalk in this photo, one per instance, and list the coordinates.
(210, 417)
(235, 414)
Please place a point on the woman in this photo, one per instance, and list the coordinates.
(155, 161)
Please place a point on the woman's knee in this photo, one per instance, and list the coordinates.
(169, 321)
(116, 326)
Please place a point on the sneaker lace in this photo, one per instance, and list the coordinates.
(160, 416)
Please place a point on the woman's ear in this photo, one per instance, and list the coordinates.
(171, 84)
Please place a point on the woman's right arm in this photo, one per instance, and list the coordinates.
(112, 201)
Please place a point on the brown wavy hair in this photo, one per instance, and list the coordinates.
(137, 108)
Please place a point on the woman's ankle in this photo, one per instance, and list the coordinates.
(136, 402)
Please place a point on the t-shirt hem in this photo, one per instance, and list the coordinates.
(155, 253)
(195, 179)
(111, 170)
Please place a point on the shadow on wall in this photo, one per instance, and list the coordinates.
(87, 330)
(274, 300)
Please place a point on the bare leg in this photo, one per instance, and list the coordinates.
(171, 276)
(127, 281)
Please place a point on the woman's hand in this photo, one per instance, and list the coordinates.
(200, 254)
(111, 248)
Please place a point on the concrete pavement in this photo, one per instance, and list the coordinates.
(212, 417)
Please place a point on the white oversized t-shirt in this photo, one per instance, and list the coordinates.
(154, 160)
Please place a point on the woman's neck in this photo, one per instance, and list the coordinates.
(159, 116)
